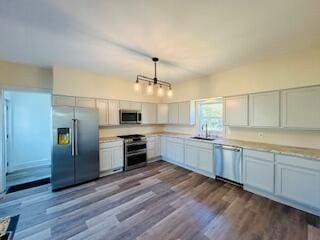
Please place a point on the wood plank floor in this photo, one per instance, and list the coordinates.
(159, 201)
(28, 175)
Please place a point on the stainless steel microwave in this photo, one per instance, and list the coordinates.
(130, 117)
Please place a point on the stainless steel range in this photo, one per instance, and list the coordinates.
(135, 151)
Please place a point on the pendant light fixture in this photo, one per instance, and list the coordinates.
(152, 82)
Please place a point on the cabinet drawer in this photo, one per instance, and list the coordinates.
(266, 156)
(111, 144)
(298, 162)
(175, 140)
(199, 144)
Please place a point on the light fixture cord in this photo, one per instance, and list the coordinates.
(155, 70)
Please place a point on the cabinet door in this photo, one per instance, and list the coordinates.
(129, 105)
(264, 109)
(102, 106)
(105, 159)
(85, 102)
(298, 184)
(173, 113)
(149, 113)
(58, 100)
(300, 108)
(163, 147)
(113, 112)
(205, 160)
(157, 146)
(259, 174)
(236, 111)
(163, 113)
(117, 157)
(184, 113)
(179, 153)
(191, 156)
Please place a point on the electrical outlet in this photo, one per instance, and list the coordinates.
(260, 134)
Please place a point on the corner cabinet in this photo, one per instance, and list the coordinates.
(298, 180)
(175, 150)
(264, 109)
(236, 111)
(173, 113)
(162, 113)
(149, 113)
(300, 108)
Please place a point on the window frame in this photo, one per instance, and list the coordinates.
(210, 101)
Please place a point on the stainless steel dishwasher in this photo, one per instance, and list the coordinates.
(228, 163)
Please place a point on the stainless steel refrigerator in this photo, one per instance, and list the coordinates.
(75, 151)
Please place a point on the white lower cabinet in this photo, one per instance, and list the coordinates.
(153, 147)
(298, 180)
(191, 156)
(163, 147)
(111, 156)
(259, 170)
(206, 160)
(175, 149)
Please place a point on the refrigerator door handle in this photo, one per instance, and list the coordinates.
(72, 141)
(76, 121)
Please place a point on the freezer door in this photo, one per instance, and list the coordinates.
(86, 144)
(62, 149)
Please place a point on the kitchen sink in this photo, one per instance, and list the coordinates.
(203, 138)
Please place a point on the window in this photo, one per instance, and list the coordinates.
(211, 113)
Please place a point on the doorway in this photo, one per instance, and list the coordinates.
(27, 138)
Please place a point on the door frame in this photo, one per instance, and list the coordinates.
(3, 145)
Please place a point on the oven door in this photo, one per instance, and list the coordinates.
(135, 147)
(127, 117)
(135, 160)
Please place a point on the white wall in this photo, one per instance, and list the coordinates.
(30, 129)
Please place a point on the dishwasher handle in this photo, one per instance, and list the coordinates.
(225, 147)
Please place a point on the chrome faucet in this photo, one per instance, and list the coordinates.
(206, 125)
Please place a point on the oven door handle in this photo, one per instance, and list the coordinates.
(135, 153)
(134, 144)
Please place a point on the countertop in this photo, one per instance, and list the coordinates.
(274, 148)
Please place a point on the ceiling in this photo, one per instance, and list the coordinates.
(191, 38)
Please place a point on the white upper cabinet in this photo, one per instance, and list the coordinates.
(173, 113)
(149, 113)
(163, 113)
(129, 105)
(103, 109)
(85, 102)
(300, 108)
(113, 112)
(58, 100)
(236, 111)
(264, 109)
(187, 113)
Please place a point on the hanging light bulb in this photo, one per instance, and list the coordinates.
(170, 92)
(137, 86)
(160, 91)
(150, 89)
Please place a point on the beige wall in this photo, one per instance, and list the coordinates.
(286, 71)
(76, 82)
(21, 76)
